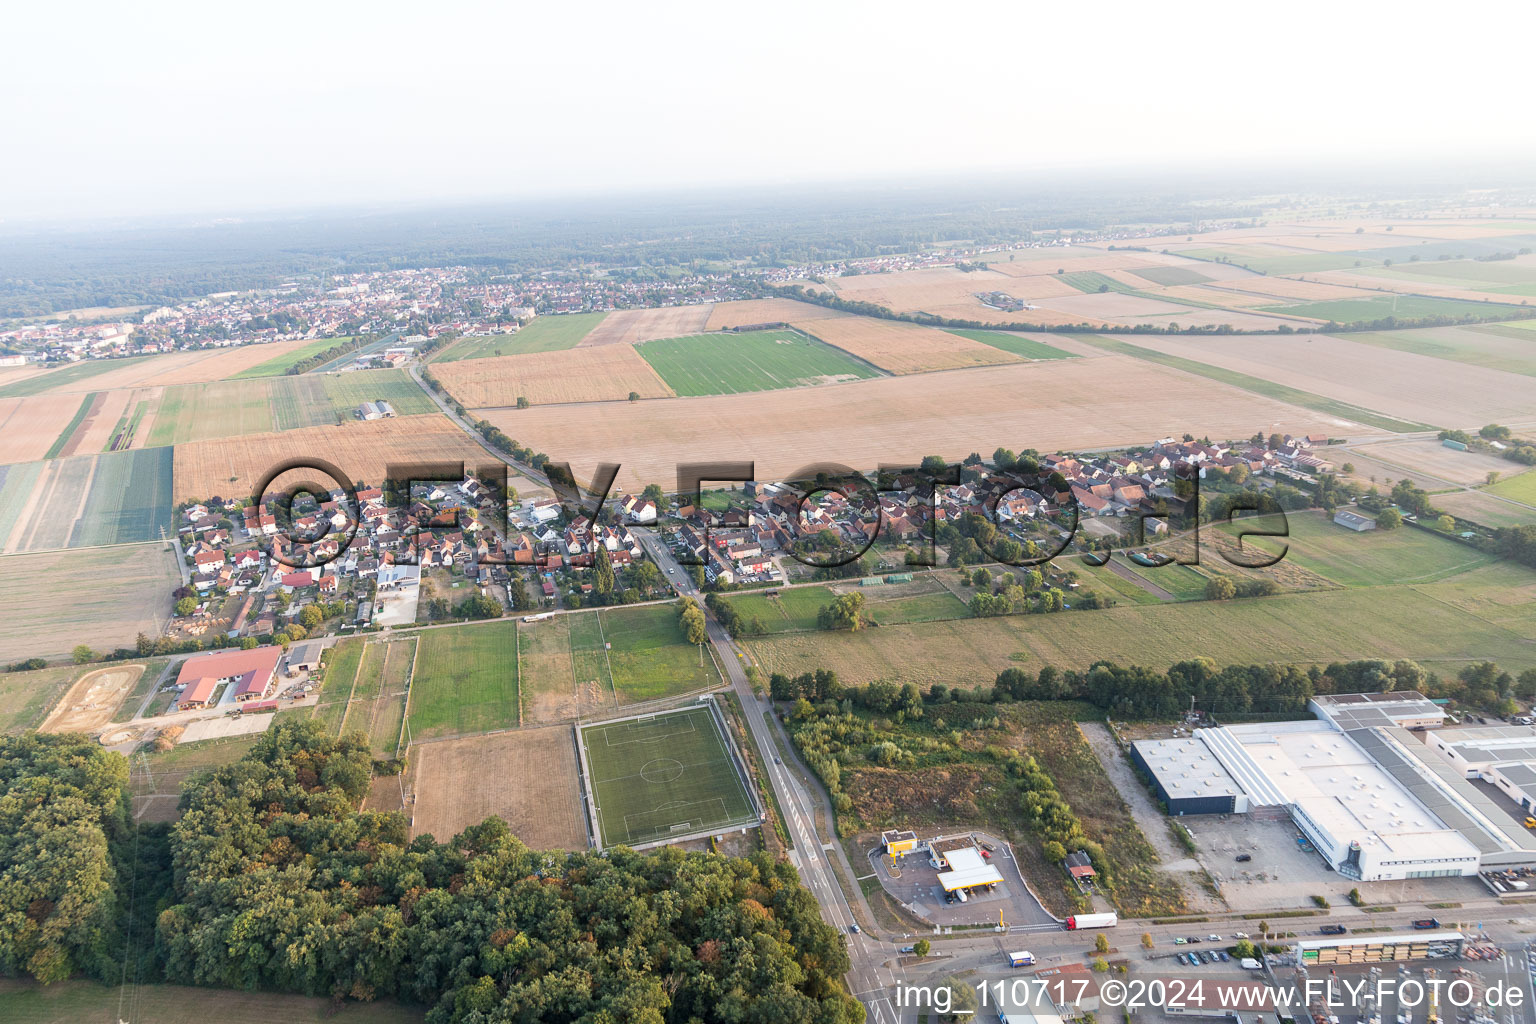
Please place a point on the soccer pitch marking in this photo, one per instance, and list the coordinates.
(693, 766)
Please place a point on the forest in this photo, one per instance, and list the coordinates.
(273, 880)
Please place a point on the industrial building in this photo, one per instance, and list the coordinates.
(1188, 778)
(1376, 788)
(250, 672)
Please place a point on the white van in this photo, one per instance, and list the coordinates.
(961, 893)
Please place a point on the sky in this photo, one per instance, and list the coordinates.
(119, 109)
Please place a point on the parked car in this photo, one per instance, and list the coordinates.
(1213, 938)
(1193, 939)
(1226, 957)
(909, 949)
(1332, 929)
(1180, 941)
(1240, 935)
(1244, 858)
(1183, 958)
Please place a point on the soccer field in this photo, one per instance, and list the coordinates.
(662, 776)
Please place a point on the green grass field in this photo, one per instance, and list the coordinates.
(27, 697)
(16, 482)
(550, 333)
(933, 607)
(347, 391)
(1519, 488)
(64, 376)
(1257, 385)
(727, 364)
(129, 500)
(279, 365)
(1375, 558)
(649, 657)
(73, 1002)
(1420, 622)
(665, 775)
(1268, 260)
(340, 665)
(466, 680)
(301, 400)
(1407, 307)
(196, 412)
(1492, 275)
(589, 658)
(127, 427)
(792, 609)
(1473, 346)
(1092, 281)
(1019, 346)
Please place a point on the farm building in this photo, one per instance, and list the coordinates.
(304, 657)
(380, 410)
(250, 672)
(1354, 521)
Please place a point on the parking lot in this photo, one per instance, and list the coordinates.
(1280, 872)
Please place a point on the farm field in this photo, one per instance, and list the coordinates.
(1373, 559)
(1488, 276)
(605, 374)
(528, 778)
(301, 400)
(1415, 388)
(1172, 276)
(1348, 311)
(550, 333)
(26, 698)
(650, 658)
(1312, 628)
(360, 450)
(34, 427)
(631, 326)
(196, 412)
(70, 1002)
(766, 311)
(194, 367)
(347, 391)
(280, 364)
(465, 680)
(1427, 462)
(91, 500)
(899, 419)
(1521, 488)
(724, 364)
(99, 424)
(941, 291)
(901, 347)
(663, 775)
(1485, 509)
(1018, 344)
(64, 377)
(1475, 346)
(101, 596)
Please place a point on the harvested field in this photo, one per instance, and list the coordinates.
(927, 290)
(31, 427)
(176, 368)
(629, 326)
(95, 431)
(608, 373)
(535, 789)
(1074, 403)
(1429, 462)
(103, 597)
(1401, 384)
(1377, 307)
(1493, 346)
(1289, 288)
(765, 311)
(903, 348)
(91, 702)
(1078, 259)
(1112, 305)
(360, 450)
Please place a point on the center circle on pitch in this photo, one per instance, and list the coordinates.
(662, 769)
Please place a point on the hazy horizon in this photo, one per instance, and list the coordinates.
(195, 110)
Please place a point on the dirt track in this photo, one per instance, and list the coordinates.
(93, 700)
